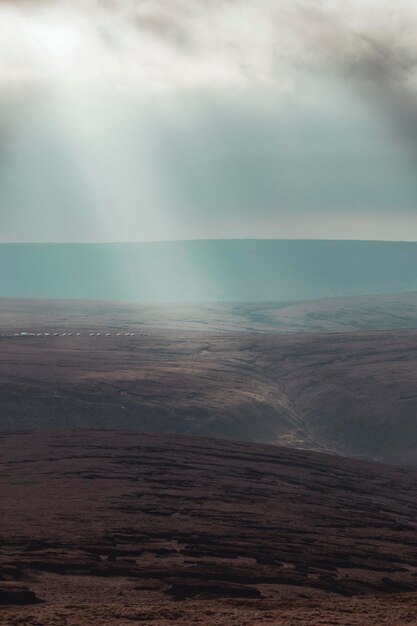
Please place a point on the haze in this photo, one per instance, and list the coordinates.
(125, 121)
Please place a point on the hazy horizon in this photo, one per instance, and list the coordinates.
(211, 270)
(202, 239)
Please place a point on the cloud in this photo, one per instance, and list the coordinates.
(189, 44)
(375, 50)
(318, 162)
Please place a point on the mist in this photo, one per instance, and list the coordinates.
(127, 121)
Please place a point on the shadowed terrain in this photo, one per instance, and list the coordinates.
(119, 366)
(133, 522)
(106, 526)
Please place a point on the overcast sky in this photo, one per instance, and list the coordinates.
(136, 120)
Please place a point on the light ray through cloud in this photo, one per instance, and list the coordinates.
(116, 152)
(164, 120)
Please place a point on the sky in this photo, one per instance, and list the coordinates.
(143, 120)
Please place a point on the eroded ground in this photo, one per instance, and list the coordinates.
(115, 528)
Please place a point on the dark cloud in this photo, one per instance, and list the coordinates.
(384, 72)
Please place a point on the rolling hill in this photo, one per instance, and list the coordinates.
(208, 270)
(123, 528)
(93, 365)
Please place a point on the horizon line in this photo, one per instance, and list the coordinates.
(201, 240)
